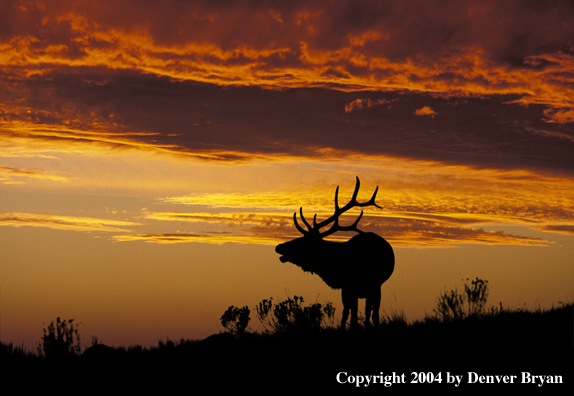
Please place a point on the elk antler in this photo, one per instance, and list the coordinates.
(335, 217)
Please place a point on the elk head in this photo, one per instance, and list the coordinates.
(309, 250)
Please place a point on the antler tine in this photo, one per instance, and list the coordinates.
(303, 218)
(336, 227)
(335, 217)
(354, 225)
(339, 211)
(299, 228)
(357, 186)
(305, 221)
(353, 202)
(372, 200)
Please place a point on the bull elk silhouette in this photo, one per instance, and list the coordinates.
(358, 267)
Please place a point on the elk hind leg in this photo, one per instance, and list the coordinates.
(345, 316)
(368, 309)
(374, 304)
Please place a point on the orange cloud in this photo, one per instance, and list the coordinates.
(76, 75)
(559, 116)
(359, 104)
(466, 52)
(86, 224)
(425, 111)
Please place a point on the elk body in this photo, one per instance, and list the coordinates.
(358, 266)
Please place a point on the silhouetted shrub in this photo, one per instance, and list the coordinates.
(476, 296)
(235, 320)
(290, 315)
(60, 340)
(451, 304)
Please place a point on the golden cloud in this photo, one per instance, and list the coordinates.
(213, 238)
(86, 224)
(414, 230)
(64, 139)
(8, 175)
(563, 229)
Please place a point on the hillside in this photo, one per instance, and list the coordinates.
(477, 349)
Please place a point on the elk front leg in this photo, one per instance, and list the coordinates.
(346, 308)
(350, 302)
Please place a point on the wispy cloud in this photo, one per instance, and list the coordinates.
(12, 175)
(414, 230)
(264, 200)
(563, 229)
(217, 238)
(85, 224)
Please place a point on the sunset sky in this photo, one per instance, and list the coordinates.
(152, 154)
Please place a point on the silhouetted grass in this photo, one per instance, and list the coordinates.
(499, 342)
